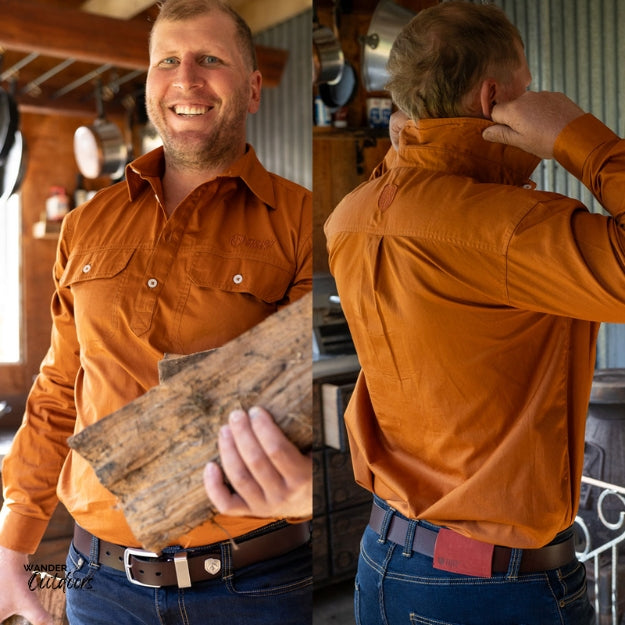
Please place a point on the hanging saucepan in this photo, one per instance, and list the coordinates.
(13, 153)
(338, 94)
(13, 167)
(9, 121)
(4, 408)
(328, 57)
(100, 149)
(387, 21)
(9, 116)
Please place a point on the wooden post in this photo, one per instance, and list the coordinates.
(151, 453)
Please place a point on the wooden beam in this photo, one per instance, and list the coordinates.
(263, 14)
(120, 9)
(259, 14)
(65, 33)
(69, 107)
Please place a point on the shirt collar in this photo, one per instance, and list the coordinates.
(455, 145)
(149, 169)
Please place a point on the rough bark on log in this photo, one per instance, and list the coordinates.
(152, 452)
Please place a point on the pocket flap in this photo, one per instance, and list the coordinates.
(264, 280)
(94, 265)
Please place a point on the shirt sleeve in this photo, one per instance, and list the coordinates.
(595, 155)
(563, 259)
(31, 469)
(302, 280)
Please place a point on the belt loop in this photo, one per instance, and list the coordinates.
(408, 543)
(516, 556)
(386, 523)
(227, 567)
(94, 553)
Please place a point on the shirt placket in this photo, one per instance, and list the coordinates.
(162, 263)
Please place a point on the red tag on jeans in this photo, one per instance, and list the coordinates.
(456, 553)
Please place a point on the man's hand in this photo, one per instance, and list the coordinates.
(533, 121)
(15, 596)
(395, 125)
(270, 476)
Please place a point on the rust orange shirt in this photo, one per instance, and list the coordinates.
(474, 302)
(131, 285)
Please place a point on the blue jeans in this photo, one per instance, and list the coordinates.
(275, 591)
(393, 588)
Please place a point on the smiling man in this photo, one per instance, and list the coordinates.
(197, 97)
(154, 265)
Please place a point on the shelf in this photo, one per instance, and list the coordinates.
(46, 229)
(359, 131)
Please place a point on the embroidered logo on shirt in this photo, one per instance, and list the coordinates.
(257, 244)
(387, 196)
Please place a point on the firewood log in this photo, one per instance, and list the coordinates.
(151, 453)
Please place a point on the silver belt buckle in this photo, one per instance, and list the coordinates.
(140, 553)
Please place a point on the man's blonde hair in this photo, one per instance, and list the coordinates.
(445, 51)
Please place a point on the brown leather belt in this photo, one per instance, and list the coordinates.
(195, 564)
(552, 556)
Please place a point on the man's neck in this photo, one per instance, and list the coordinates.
(178, 182)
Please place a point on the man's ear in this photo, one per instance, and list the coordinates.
(488, 97)
(256, 81)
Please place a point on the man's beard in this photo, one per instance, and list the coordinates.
(193, 151)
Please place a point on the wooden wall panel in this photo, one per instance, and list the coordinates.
(341, 161)
(49, 140)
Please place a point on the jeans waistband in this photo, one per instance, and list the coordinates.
(465, 554)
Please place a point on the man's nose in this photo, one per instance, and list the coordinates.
(188, 75)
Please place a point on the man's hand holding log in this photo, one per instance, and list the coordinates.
(270, 477)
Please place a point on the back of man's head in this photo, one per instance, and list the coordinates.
(445, 51)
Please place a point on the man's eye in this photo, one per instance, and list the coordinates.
(169, 61)
(210, 60)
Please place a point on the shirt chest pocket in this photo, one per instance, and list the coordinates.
(226, 296)
(97, 280)
(265, 281)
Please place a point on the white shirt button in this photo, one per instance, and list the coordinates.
(86, 269)
(238, 279)
(152, 283)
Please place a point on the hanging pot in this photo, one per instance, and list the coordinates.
(338, 94)
(388, 19)
(100, 149)
(13, 153)
(9, 121)
(328, 56)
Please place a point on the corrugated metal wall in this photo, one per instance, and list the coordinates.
(281, 131)
(578, 47)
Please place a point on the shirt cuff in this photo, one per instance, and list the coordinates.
(20, 533)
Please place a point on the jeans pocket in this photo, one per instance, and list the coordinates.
(78, 574)
(415, 619)
(287, 573)
(357, 602)
(572, 583)
(569, 587)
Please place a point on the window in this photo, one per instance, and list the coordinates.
(10, 293)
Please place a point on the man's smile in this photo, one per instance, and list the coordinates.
(190, 110)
